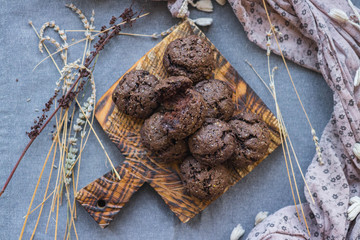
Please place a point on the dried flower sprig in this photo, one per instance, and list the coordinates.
(87, 108)
(127, 17)
(68, 76)
(70, 161)
(287, 145)
(38, 124)
(62, 35)
(285, 140)
(82, 17)
(70, 150)
(272, 32)
(51, 40)
(84, 39)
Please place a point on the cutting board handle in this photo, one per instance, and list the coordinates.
(105, 197)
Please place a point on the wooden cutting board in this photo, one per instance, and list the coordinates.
(105, 197)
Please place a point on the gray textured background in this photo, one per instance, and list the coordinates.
(146, 216)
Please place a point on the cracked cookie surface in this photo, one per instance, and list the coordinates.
(204, 182)
(171, 86)
(155, 138)
(184, 114)
(218, 97)
(213, 143)
(191, 56)
(176, 151)
(135, 95)
(252, 138)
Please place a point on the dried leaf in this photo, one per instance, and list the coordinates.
(221, 2)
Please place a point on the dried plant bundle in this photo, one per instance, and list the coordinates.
(73, 120)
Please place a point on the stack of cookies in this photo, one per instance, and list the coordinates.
(189, 118)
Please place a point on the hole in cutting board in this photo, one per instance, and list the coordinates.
(101, 203)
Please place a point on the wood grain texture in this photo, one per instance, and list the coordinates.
(139, 166)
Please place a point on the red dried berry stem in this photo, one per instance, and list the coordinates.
(98, 49)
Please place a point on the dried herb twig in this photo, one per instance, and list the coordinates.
(315, 138)
(287, 145)
(84, 39)
(70, 95)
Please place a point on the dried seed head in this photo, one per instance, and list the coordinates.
(77, 128)
(155, 35)
(356, 150)
(83, 134)
(73, 150)
(354, 209)
(203, 22)
(313, 132)
(67, 181)
(80, 14)
(260, 217)
(88, 115)
(81, 116)
(357, 78)
(338, 15)
(72, 141)
(237, 232)
(80, 122)
(65, 46)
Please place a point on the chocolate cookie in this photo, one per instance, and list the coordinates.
(171, 86)
(213, 143)
(155, 138)
(191, 56)
(153, 135)
(202, 181)
(252, 137)
(184, 114)
(135, 94)
(217, 94)
(177, 150)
